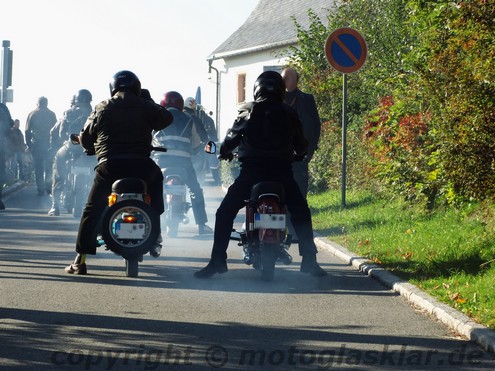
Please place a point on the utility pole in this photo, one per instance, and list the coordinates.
(6, 94)
(217, 94)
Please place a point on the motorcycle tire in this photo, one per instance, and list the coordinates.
(132, 267)
(66, 201)
(80, 183)
(269, 255)
(126, 248)
(173, 219)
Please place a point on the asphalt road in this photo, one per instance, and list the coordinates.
(167, 319)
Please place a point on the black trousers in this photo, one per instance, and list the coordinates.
(240, 191)
(43, 163)
(300, 170)
(107, 173)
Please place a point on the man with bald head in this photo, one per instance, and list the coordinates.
(305, 106)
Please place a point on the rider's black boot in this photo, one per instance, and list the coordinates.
(311, 266)
(213, 267)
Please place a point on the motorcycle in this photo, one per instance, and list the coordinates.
(78, 185)
(264, 237)
(129, 226)
(176, 206)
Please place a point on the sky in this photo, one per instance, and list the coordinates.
(61, 46)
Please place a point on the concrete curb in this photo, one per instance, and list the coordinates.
(452, 318)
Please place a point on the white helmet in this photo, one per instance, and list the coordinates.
(190, 102)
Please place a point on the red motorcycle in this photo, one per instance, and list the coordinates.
(264, 236)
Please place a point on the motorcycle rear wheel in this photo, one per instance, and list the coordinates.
(269, 255)
(173, 218)
(132, 267)
(80, 184)
(130, 249)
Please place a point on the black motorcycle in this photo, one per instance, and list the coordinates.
(129, 226)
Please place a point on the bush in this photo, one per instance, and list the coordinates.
(229, 171)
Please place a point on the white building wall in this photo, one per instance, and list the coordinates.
(252, 65)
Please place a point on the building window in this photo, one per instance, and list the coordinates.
(273, 68)
(241, 88)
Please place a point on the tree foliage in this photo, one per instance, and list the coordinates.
(422, 109)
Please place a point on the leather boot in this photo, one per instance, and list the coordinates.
(311, 266)
(78, 267)
(213, 267)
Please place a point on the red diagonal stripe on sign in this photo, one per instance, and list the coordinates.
(346, 50)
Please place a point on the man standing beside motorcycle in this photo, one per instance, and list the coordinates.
(177, 139)
(72, 122)
(119, 132)
(267, 133)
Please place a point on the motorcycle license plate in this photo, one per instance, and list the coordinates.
(269, 221)
(130, 231)
(179, 190)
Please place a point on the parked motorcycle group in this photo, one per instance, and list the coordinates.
(130, 227)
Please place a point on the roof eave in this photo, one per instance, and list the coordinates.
(254, 49)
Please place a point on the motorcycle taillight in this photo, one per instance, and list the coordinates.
(129, 218)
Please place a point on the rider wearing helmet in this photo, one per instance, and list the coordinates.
(72, 122)
(267, 134)
(177, 139)
(119, 133)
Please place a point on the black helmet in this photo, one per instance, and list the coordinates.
(269, 83)
(173, 99)
(83, 96)
(125, 80)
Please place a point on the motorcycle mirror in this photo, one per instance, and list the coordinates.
(74, 139)
(210, 147)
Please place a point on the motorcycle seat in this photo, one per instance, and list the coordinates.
(268, 188)
(172, 172)
(129, 185)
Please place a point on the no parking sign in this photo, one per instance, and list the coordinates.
(346, 50)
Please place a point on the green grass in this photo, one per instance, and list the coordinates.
(449, 253)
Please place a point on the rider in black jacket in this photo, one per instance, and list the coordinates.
(119, 132)
(268, 134)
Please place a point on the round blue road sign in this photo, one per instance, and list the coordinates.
(346, 50)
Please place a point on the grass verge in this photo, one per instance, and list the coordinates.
(449, 253)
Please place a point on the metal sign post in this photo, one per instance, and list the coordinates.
(6, 72)
(346, 52)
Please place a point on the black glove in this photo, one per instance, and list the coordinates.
(225, 155)
(298, 157)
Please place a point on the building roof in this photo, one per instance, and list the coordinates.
(270, 25)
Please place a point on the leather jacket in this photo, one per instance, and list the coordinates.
(266, 129)
(121, 127)
(177, 137)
